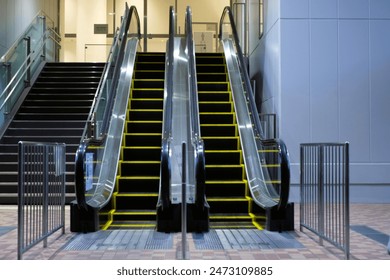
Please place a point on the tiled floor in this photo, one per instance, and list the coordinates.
(372, 219)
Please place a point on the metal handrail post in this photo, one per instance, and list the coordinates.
(45, 194)
(20, 202)
(346, 202)
(321, 193)
(184, 205)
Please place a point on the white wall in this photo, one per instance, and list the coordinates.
(323, 67)
(16, 15)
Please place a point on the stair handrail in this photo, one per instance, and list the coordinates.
(20, 73)
(197, 141)
(278, 143)
(165, 169)
(115, 70)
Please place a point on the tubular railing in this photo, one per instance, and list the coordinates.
(165, 174)
(41, 193)
(21, 64)
(98, 153)
(263, 189)
(197, 142)
(324, 205)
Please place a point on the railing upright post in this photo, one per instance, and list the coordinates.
(184, 205)
(45, 194)
(346, 202)
(20, 201)
(321, 208)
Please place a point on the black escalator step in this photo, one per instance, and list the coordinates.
(216, 118)
(223, 157)
(211, 59)
(146, 103)
(151, 57)
(140, 168)
(221, 143)
(55, 85)
(225, 188)
(139, 184)
(47, 124)
(51, 116)
(67, 80)
(208, 130)
(139, 201)
(211, 68)
(213, 86)
(65, 90)
(67, 96)
(141, 153)
(147, 93)
(224, 172)
(134, 218)
(49, 138)
(58, 73)
(149, 74)
(56, 103)
(214, 96)
(148, 83)
(144, 127)
(212, 77)
(143, 139)
(54, 109)
(216, 107)
(9, 167)
(228, 205)
(44, 132)
(145, 115)
(150, 66)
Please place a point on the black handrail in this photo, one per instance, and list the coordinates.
(283, 153)
(165, 173)
(200, 165)
(118, 47)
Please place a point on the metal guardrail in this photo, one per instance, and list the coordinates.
(324, 207)
(41, 193)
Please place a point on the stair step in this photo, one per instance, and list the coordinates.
(141, 153)
(140, 168)
(150, 74)
(214, 96)
(148, 83)
(208, 130)
(214, 157)
(229, 205)
(225, 172)
(135, 201)
(47, 124)
(146, 104)
(221, 143)
(54, 109)
(52, 116)
(138, 184)
(147, 93)
(150, 66)
(211, 77)
(150, 57)
(60, 132)
(216, 118)
(210, 68)
(145, 115)
(144, 126)
(143, 139)
(227, 188)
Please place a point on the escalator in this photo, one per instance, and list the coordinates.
(226, 186)
(133, 204)
(55, 110)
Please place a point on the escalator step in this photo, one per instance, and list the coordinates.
(141, 153)
(223, 157)
(143, 139)
(218, 130)
(146, 104)
(224, 172)
(144, 126)
(221, 143)
(147, 93)
(139, 184)
(138, 168)
(145, 115)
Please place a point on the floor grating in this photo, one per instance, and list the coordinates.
(120, 240)
(225, 239)
(371, 233)
(6, 229)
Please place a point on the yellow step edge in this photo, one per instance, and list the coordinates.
(271, 165)
(135, 213)
(141, 147)
(225, 217)
(146, 99)
(143, 121)
(141, 162)
(268, 151)
(149, 80)
(223, 151)
(145, 134)
(219, 124)
(152, 225)
(139, 177)
(136, 195)
(224, 165)
(225, 182)
(145, 110)
(227, 226)
(228, 199)
(148, 71)
(221, 137)
(273, 182)
(109, 220)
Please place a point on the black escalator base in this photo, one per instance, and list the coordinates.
(170, 219)
(280, 219)
(83, 220)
